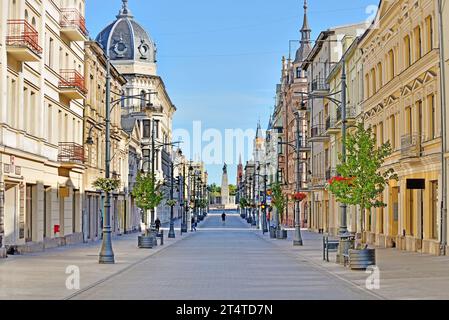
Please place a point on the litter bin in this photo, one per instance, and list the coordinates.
(272, 232)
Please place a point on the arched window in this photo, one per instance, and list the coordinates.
(122, 97)
(407, 51)
(33, 22)
(26, 15)
(429, 31)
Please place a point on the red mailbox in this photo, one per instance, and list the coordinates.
(56, 228)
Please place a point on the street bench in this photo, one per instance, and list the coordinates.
(329, 246)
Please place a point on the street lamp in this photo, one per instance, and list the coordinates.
(264, 211)
(106, 255)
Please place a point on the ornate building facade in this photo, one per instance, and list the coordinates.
(133, 53)
(402, 105)
(41, 123)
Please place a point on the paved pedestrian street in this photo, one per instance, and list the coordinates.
(224, 262)
(219, 262)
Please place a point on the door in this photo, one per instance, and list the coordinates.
(395, 212)
(29, 214)
(11, 214)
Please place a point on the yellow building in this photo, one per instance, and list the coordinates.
(354, 113)
(402, 105)
(41, 122)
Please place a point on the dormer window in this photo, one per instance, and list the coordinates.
(298, 72)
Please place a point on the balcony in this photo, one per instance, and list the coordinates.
(331, 173)
(71, 84)
(351, 114)
(411, 146)
(318, 182)
(304, 145)
(318, 134)
(73, 25)
(331, 126)
(22, 41)
(320, 85)
(71, 154)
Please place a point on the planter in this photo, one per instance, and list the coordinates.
(362, 259)
(272, 233)
(146, 242)
(281, 234)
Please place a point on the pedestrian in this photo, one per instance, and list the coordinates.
(223, 218)
(193, 224)
(158, 224)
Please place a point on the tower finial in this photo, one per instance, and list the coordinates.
(124, 12)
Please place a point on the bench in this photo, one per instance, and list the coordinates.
(329, 246)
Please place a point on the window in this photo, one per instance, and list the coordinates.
(26, 111)
(49, 123)
(379, 75)
(146, 124)
(434, 210)
(432, 114)
(418, 43)
(393, 131)
(50, 53)
(373, 81)
(142, 99)
(407, 52)
(367, 86)
(298, 72)
(391, 66)
(429, 33)
(32, 114)
(381, 133)
(156, 128)
(280, 147)
(408, 120)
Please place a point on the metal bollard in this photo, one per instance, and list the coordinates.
(162, 237)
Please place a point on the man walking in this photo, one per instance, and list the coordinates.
(193, 224)
(223, 218)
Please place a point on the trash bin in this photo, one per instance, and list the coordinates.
(272, 232)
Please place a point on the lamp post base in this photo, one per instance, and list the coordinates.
(297, 242)
(171, 233)
(106, 253)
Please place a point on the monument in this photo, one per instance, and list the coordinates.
(225, 187)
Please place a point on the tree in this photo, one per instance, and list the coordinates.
(232, 190)
(148, 195)
(244, 203)
(360, 179)
(279, 201)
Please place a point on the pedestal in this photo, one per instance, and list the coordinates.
(343, 249)
(3, 253)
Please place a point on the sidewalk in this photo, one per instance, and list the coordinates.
(42, 276)
(403, 275)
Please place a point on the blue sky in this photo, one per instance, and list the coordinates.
(220, 60)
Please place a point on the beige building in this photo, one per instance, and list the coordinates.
(326, 53)
(94, 137)
(402, 105)
(41, 122)
(354, 113)
(133, 53)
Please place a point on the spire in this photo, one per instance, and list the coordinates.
(124, 11)
(306, 45)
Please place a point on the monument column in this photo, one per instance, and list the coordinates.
(225, 187)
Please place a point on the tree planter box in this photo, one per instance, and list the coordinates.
(146, 242)
(362, 259)
(281, 234)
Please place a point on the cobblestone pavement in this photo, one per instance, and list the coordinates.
(224, 262)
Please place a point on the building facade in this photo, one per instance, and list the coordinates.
(133, 53)
(41, 123)
(402, 106)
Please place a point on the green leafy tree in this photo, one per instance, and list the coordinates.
(244, 203)
(232, 190)
(279, 201)
(360, 179)
(148, 195)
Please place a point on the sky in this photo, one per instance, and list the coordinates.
(221, 59)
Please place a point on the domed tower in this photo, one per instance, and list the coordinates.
(128, 45)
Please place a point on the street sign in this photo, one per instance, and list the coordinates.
(269, 199)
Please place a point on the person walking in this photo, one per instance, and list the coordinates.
(223, 218)
(158, 224)
(193, 224)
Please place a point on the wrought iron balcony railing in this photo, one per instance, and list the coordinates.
(72, 18)
(320, 85)
(72, 79)
(70, 152)
(350, 113)
(23, 34)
